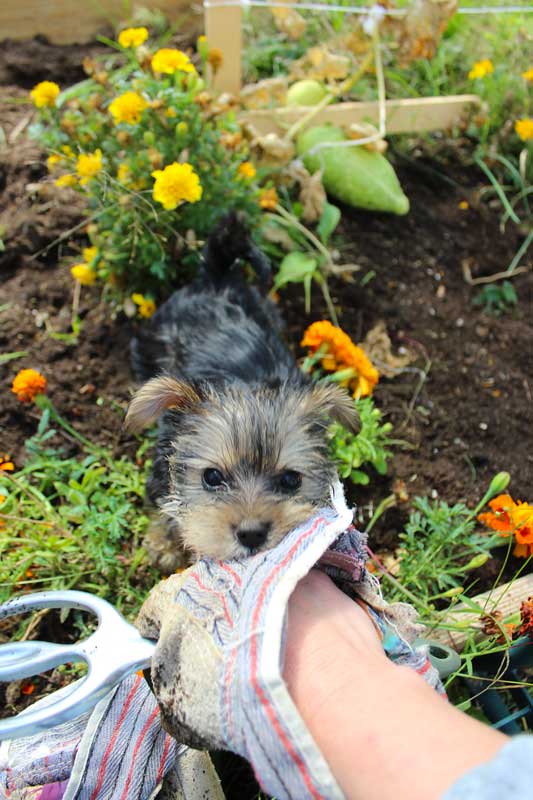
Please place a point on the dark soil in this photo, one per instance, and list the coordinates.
(463, 407)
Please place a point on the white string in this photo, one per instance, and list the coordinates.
(389, 12)
(382, 129)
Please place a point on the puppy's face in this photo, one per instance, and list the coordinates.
(245, 465)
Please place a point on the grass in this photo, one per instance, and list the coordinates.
(75, 523)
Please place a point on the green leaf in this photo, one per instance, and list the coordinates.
(328, 222)
(295, 268)
(5, 357)
(358, 476)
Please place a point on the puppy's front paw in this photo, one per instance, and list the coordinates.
(164, 547)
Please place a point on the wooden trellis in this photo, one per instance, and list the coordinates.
(223, 26)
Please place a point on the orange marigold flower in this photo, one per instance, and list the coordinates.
(28, 688)
(268, 199)
(510, 517)
(6, 465)
(27, 384)
(340, 353)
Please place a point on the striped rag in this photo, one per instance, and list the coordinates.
(221, 630)
(119, 751)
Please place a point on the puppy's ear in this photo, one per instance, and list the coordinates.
(335, 402)
(156, 396)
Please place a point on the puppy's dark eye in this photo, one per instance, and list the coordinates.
(289, 481)
(213, 478)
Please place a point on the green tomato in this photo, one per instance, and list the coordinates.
(306, 93)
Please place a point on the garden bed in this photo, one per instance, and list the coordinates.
(468, 419)
(463, 409)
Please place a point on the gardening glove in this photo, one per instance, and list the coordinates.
(221, 626)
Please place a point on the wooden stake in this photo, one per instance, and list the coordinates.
(412, 114)
(223, 28)
(506, 598)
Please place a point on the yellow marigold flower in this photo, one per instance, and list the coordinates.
(88, 165)
(480, 69)
(67, 150)
(175, 184)
(524, 128)
(45, 94)
(246, 170)
(128, 108)
(171, 112)
(169, 61)
(84, 274)
(123, 173)
(52, 161)
(528, 75)
(463, 205)
(6, 465)
(89, 254)
(27, 384)
(66, 180)
(340, 353)
(145, 304)
(268, 199)
(215, 58)
(132, 37)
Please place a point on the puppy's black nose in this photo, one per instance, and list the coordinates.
(254, 537)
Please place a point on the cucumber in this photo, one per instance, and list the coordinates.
(354, 175)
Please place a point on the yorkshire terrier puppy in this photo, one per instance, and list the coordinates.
(241, 456)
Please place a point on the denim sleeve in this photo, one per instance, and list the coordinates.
(508, 775)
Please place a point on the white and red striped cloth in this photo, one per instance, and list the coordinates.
(119, 751)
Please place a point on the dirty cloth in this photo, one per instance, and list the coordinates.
(119, 751)
(221, 626)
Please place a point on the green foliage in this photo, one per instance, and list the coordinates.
(503, 38)
(369, 447)
(496, 298)
(440, 548)
(309, 258)
(74, 523)
(140, 240)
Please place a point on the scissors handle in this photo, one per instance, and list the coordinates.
(112, 652)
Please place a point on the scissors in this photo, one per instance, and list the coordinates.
(113, 651)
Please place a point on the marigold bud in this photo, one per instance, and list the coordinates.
(499, 483)
(476, 561)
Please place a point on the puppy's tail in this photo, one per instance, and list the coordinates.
(228, 244)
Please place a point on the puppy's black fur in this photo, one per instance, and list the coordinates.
(234, 402)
